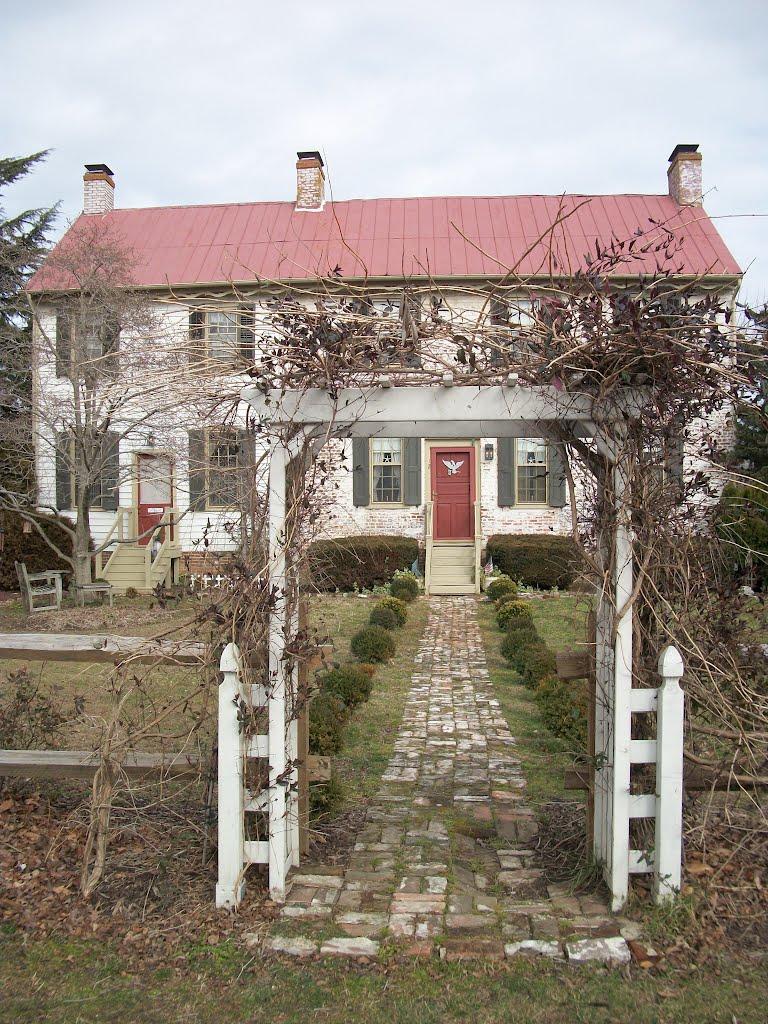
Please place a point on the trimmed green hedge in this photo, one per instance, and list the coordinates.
(398, 607)
(350, 683)
(327, 715)
(524, 632)
(373, 644)
(564, 708)
(404, 588)
(500, 586)
(536, 560)
(350, 563)
(384, 617)
(513, 610)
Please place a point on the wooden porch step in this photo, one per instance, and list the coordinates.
(455, 589)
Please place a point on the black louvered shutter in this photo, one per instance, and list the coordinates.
(361, 471)
(246, 335)
(110, 347)
(505, 448)
(63, 472)
(196, 468)
(196, 324)
(197, 334)
(109, 478)
(412, 471)
(63, 345)
(558, 489)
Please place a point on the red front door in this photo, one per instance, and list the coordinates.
(453, 493)
(155, 474)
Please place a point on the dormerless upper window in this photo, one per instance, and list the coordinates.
(227, 336)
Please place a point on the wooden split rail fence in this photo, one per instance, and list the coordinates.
(108, 649)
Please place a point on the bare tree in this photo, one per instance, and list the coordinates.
(102, 373)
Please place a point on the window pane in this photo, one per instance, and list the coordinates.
(222, 469)
(222, 335)
(386, 469)
(531, 471)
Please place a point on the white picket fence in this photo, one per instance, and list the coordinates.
(616, 806)
(206, 581)
(276, 804)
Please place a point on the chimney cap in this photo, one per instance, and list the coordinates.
(310, 154)
(93, 168)
(683, 147)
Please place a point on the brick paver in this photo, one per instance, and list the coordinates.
(446, 854)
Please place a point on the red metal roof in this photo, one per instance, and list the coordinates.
(468, 236)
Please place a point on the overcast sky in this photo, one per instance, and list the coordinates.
(198, 102)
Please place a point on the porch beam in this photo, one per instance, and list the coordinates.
(414, 411)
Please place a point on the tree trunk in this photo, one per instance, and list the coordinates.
(81, 545)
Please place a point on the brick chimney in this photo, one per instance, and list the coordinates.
(310, 181)
(684, 174)
(98, 189)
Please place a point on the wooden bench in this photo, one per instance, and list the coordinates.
(36, 586)
(101, 588)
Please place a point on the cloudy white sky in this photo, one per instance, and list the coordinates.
(195, 101)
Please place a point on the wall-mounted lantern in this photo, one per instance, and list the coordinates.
(488, 453)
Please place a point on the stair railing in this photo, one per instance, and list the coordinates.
(120, 528)
(478, 545)
(428, 514)
(162, 551)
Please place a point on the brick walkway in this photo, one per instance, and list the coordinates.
(445, 862)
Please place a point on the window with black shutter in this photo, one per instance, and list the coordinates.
(87, 346)
(386, 471)
(227, 336)
(105, 478)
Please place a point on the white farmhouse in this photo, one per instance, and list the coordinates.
(400, 261)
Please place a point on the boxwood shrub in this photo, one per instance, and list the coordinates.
(540, 663)
(499, 586)
(537, 560)
(564, 708)
(405, 588)
(398, 607)
(524, 632)
(513, 610)
(373, 644)
(350, 683)
(327, 714)
(384, 617)
(349, 563)
(518, 659)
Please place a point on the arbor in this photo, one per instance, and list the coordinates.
(23, 242)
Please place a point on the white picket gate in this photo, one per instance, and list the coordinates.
(276, 804)
(616, 806)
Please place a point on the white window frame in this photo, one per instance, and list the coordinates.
(230, 436)
(373, 464)
(525, 465)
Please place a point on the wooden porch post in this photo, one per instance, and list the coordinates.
(618, 859)
(278, 788)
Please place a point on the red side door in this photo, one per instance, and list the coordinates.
(453, 493)
(155, 474)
